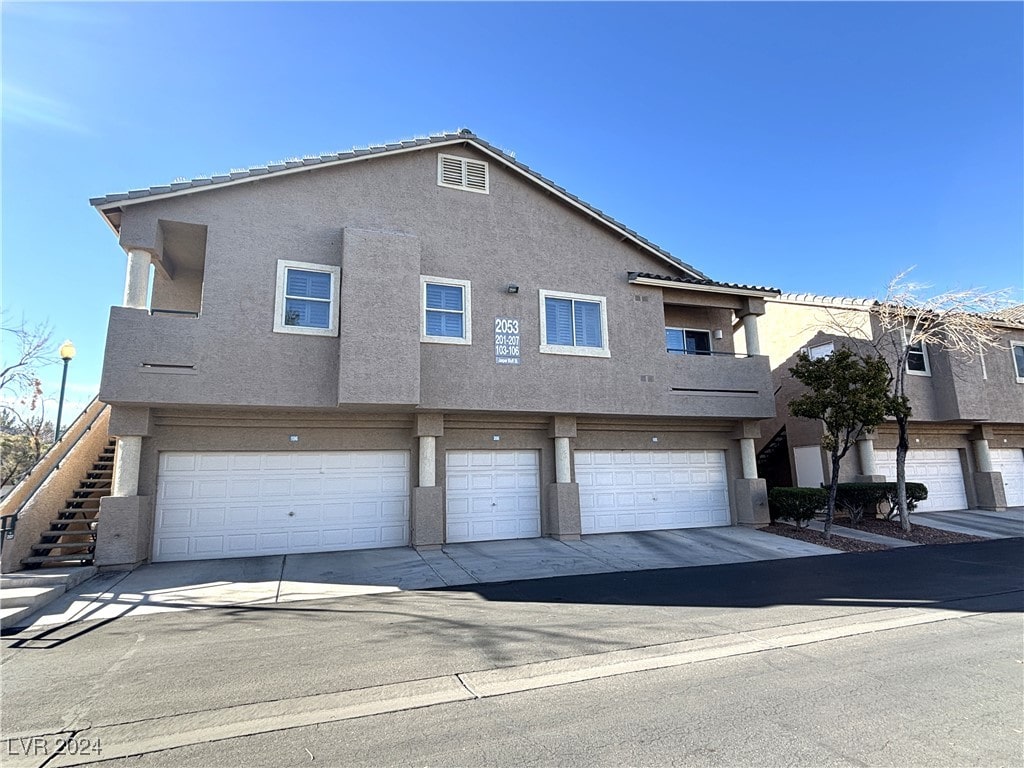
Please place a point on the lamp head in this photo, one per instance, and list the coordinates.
(66, 351)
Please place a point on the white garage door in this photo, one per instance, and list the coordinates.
(939, 470)
(492, 495)
(1010, 461)
(651, 490)
(212, 505)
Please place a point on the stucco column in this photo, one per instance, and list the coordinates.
(562, 471)
(866, 453)
(750, 334)
(749, 458)
(982, 457)
(126, 466)
(428, 461)
(136, 279)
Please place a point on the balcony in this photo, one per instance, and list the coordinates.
(717, 385)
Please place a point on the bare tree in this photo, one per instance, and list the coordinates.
(25, 434)
(26, 348)
(910, 321)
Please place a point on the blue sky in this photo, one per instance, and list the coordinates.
(814, 147)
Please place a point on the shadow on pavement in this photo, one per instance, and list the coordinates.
(915, 577)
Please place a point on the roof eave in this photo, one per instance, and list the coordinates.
(737, 291)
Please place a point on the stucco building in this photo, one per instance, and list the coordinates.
(967, 424)
(414, 344)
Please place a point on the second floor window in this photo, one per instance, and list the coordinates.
(917, 359)
(307, 299)
(446, 317)
(1018, 360)
(684, 341)
(573, 324)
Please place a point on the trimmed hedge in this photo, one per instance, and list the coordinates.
(853, 499)
(857, 498)
(796, 504)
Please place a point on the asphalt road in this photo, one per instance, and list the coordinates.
(908, 657)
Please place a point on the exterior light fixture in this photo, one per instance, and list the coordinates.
(66, 352)
(512, 288)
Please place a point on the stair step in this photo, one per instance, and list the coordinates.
(87, 545)
(85, 500)
(91, 535)
(44, 559)
(87, 522)
(21, 597)
(71, 576)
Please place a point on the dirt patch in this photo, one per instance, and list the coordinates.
(841, 543)
(919, 534)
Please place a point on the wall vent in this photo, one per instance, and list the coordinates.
(462, 173)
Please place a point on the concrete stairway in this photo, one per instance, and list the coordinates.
(25, 592)
(71, 539)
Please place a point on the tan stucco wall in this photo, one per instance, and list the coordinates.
(386, 222)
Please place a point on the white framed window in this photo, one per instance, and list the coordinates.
(687, 341)
(917, 360)
(1017, 348)
(573, 324)
(306, 301)
(463, 173)
(445, 311)
(819, 351)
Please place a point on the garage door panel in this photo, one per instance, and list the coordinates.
(940, 471)
(171, 548)
(654, 490)
(314, 504)
(1010, 463)
(492, 495)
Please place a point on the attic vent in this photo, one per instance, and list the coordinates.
(462, 173)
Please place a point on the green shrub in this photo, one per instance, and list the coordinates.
(854, 499)
(915, 492)
(796, 504)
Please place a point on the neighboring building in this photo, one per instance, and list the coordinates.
(414, 344)
(967, 425)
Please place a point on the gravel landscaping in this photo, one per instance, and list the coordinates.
(919, 534)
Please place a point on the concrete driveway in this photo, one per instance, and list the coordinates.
(976, 522)
(282, 578)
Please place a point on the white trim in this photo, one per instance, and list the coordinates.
(279, 326)
(702, 288)
(1013, 361)
(831, 350)
(711, 346)
(562, 349)
(924, 356)
(115, 205)
(467, 321)
(464, 165)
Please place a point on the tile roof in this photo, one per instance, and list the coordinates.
(184, 186)
(705, 283)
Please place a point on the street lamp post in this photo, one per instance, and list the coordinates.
(66, 352)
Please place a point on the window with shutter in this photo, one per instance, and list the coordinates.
(306, 300)
(573, 324)
(463, 173)
(445, 315)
